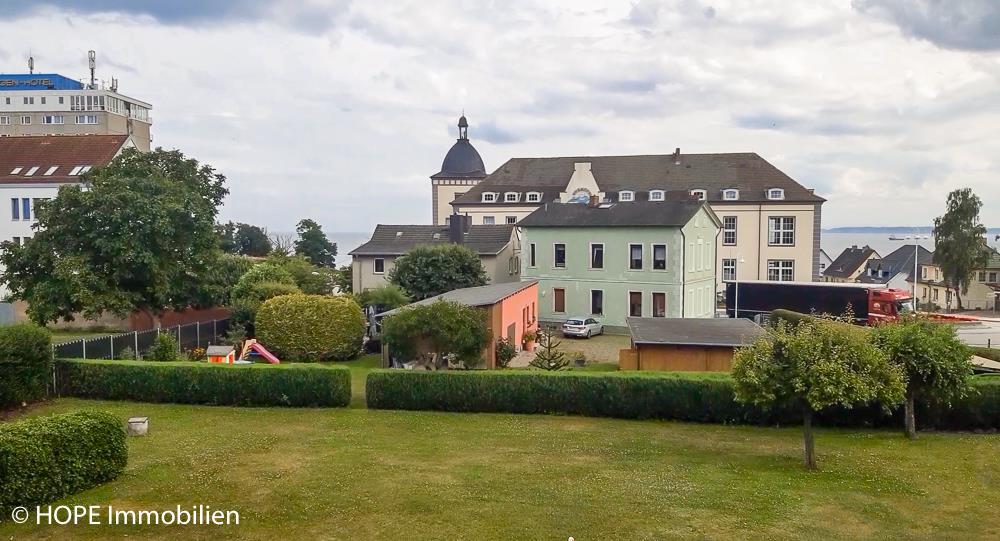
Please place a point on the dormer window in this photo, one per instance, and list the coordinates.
(511, 197)
(699, 194)
(533, 197)
(626, 195)
(730, 195)
(775, 194)
(489, 197)
(656, 195)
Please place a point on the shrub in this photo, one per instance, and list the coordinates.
(262, 272)
(443, 329)
(202, 383)
(427, 271)
(386, 297)
(263, 282)
(126, 354)
(164, 348)
(195, 354)
(47, 458)
(692, 397)
(505, 353)
(25, 363)
(311, 327)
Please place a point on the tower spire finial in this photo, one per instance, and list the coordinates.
(463, 126)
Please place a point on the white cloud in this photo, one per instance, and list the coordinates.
(343, 120)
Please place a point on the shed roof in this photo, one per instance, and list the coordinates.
(474, 296)
(726, 332)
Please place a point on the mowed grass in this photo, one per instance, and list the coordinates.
(355, 473)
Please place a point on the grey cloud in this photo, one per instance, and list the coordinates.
(821, 124)
(493, 133)
(953, 24)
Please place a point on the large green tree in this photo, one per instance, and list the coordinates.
(438, 331)
(313, 244)
(959, 241)
(812, 366)
(138, 235)
(251, 240)
(934, 362)
(427, 271)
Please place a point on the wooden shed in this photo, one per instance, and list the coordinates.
(684, 344)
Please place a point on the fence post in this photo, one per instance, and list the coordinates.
(111, 340)
(84, 342)
(215, 332)
(197, 334)
(135, 339)
(179, 348)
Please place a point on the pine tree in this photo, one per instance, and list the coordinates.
(549, 357)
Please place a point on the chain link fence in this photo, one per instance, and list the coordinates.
(135, 344)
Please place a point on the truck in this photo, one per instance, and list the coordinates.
(871, 303)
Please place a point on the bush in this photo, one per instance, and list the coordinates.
(47, 458)
(693, 397)
(164, 348)
(25, 363)
(385, 297)
(505, 353)
(311, 327)
(443, 329)
(202, 383)
(262, 272)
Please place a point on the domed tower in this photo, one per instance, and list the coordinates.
(461, 169)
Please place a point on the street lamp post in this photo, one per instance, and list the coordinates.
(736, 284)
(916, 261)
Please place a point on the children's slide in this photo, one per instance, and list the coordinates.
(263, 352)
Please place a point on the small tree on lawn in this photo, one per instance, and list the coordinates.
(812, 366)
(549, 357)
(934, 362)
(427, 271)
(437, 330)
(505, 353)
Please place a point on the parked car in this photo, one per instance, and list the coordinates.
(582, 327)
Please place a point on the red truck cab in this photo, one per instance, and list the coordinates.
(888, 304)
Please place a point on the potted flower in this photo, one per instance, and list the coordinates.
(528, 340)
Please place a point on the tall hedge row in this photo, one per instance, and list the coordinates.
(201, 383)
(311, 327)
(682, 397)
(25, 363)
(46, 458)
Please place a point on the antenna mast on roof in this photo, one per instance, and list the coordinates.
(31, 63)
(92, 61)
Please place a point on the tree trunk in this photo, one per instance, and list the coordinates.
(958, 299)
(910, 415)
(807, 434)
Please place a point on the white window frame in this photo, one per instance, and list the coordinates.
(776, 235)
(592, 312)
(734, 230)
(628, 303)
(50, 170)
(31, 172)
(729, 266)
(642, 256)
(375, 265)
(532, 255)
(781, 266)
(730, 194)
(16, 170)
(565, 255)
(533, 197)
(590, 256)
(775, 194)
(511, 197)
(626, 196)
(75, 171)
(492, 220)
(510, 220)
(701, 194)
(652, 257)
(25, 117)
(657, 195)
(652, 303)
(4, 120)
(53, 119)
(86, 119)
(490, 197)
(554, 311)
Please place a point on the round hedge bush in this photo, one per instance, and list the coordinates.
(260, 273)
(311, 328)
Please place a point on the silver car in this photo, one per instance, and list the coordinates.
(582, 327)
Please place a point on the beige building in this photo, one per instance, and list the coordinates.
(770, 223)
(461, 169)
(498, 247)
(850, 264)
(51, 104)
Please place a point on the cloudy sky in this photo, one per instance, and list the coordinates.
(340, 110)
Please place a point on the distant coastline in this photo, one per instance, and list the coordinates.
(921, 230)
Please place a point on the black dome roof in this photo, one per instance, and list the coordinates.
(462, 160)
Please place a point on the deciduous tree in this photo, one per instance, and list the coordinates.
(386, 297)
(140, 235)
(440, 330)
(313, 244)
(812, 366)
(251, 240)
(427, 271)
(934, 362)
(959, 241)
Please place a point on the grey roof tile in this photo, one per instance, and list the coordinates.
(399, 239)
(695, 332)
(474, 296)
(849, 261)
(635, 213)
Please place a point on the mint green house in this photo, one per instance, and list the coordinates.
(622, 259)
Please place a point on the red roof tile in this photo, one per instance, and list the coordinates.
(65, 152)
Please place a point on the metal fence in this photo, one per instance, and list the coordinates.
(135, 344)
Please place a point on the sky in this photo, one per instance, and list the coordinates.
(339, 110)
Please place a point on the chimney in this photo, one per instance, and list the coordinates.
(458, 226)
(594, 201)
(677, 156)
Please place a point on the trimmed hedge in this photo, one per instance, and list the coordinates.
(47, 458)
(25, 363)
(677, 396)
(308, 328)
(202, 383)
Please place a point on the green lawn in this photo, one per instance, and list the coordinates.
(358, 474)
(59, 336)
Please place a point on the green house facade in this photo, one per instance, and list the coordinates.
(626, 259)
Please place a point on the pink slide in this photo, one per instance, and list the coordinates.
(263, 352)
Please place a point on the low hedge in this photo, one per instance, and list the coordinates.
(203, 383)
(47, 458)
(677, 396)
(992, 354)
(25, 363)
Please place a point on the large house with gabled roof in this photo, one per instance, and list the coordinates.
(770, 222)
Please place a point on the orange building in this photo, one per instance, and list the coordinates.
(511, 308)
